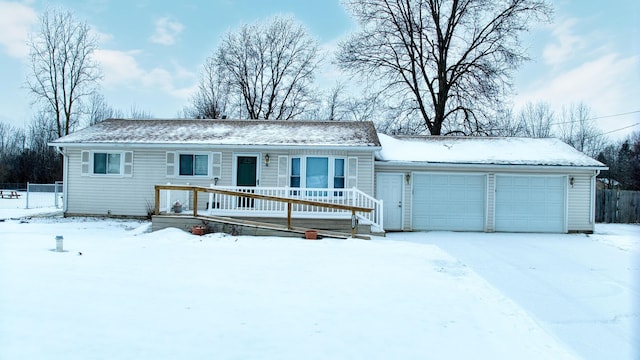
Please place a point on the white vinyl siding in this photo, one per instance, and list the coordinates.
(133, 194)
(579, 203)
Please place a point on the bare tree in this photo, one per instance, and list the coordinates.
(454, 58)
(39, 161)
(63, 71)
(98, 110)
(335, 104)
(213, 95)
(536, 120)
(504, 124)
(270, 66)
(330, 105)
(137, 113)
(578, 129)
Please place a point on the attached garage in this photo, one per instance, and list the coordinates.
(448, 202)
(488, 184)
(530, 203)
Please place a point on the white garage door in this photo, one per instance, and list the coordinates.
(530, 203)
(448, 202)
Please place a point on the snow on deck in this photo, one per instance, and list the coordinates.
(482, 150)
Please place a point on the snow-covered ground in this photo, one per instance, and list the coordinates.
(119, 291)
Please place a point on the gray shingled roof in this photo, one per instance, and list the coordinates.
(226, 132)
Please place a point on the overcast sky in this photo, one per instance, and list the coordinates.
(151, 52)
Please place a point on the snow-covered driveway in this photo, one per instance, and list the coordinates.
(584, 289)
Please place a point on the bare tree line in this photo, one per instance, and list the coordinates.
(414, 67)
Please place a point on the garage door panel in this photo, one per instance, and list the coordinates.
(530, 203)
(448, 202)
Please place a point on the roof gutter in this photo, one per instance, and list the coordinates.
(432, 165)
(209, 146)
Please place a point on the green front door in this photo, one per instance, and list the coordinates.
(246, 176)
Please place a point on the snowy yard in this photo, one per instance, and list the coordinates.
(119, 291)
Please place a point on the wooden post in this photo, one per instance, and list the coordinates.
(353, 223)
(289, 215)
(195, 201)
(156, 210)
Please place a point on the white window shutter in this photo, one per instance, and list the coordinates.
(283, 170)
(171, 164)
(128, 163)
(352, 172)
(85, 160)
(216, 165)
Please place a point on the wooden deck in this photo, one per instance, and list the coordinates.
(244, 224)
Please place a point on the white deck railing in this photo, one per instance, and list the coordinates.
(231, 205)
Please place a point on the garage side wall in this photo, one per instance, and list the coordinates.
(580, 203)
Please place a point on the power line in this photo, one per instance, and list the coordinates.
(615, 115)
(626, 127)
(597, 118)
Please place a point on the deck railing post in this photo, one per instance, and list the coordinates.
(289, 215)
(195, 201)
(156, 209)
(353, 223)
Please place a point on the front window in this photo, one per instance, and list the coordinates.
(318, 172)
(106, 163)
(194, 165)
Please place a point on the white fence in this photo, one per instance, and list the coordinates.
(56, 190)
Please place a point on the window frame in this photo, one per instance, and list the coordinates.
(331, 171)
(177, 165)
(92, 165)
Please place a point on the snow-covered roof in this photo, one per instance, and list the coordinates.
(482, 150)
(226, 132)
